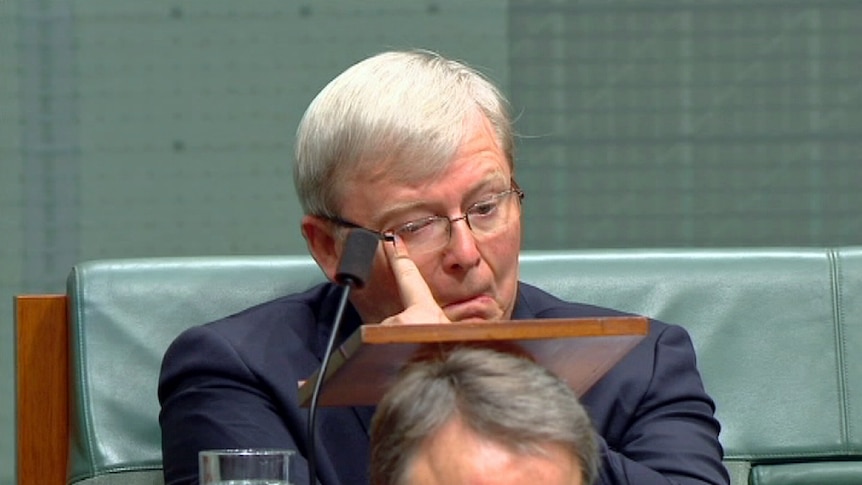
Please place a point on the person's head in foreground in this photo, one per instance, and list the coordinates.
(476, 416)
(419, 148)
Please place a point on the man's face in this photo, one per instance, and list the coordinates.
(455, 455)
(470, 278)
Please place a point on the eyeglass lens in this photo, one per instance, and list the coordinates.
(484, 218)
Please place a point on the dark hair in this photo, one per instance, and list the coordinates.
(505, 398)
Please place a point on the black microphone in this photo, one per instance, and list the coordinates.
(353, 270)
(355, 263)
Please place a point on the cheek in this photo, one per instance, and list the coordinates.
(382, 284)
(379, 298)
(503, 256)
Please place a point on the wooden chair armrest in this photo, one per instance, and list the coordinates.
(42, 384)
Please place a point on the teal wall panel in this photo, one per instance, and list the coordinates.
(689, 123)
(187, 110)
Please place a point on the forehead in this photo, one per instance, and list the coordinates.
(413, 161)
(455, 455)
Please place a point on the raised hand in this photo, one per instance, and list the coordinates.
(416, 296)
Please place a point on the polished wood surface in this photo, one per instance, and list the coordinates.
(42, 383)
(578, 350)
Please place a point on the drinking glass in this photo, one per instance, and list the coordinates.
(244, 467)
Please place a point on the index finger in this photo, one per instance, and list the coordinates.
(411, 285)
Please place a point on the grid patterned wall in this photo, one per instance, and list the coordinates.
(154, 128)
(710, 123)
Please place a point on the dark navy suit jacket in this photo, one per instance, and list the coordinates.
(233, 384)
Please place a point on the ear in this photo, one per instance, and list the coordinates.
(322, 244)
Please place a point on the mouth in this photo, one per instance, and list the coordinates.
(476, 308)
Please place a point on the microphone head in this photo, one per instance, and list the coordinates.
(355, 264)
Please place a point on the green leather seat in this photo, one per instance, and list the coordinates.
(777, 333)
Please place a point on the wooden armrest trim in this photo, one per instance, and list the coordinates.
(42, 385)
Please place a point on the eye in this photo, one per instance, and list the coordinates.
(414, 227)
(484, 208)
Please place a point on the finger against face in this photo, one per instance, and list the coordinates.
(411, 285)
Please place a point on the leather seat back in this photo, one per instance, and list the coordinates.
(776, 332)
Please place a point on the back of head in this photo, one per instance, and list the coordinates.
(398, 113)
(504, 398)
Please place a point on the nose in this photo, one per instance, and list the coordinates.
(462, 251)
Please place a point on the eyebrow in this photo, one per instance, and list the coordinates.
(487, 182)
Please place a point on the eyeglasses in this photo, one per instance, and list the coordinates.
(485, 218)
